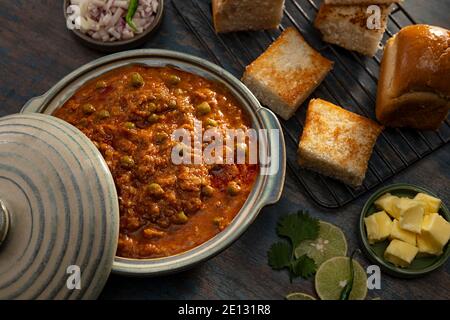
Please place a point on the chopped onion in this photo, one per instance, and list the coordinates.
(105, 19)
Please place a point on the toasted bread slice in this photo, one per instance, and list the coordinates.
(287, 73)
(346, 26)
(366, 2)
(239, 15)
(337, 142)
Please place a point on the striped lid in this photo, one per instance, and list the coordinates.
(59, 215)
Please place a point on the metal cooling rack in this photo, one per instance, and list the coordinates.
(351, 84)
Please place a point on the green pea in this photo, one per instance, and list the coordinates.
(101, 84)
(151, 107)
(233, 188)
(207, 191)
(155, 189)
(83, 122)
(217, 220)
(137, 80)
(129, 125)
(160, 137)
(203, 108)
(182, 218)
(241, 148)
(126, 162)
(172, 104)
(153, 118)
(88, 108)
(211, 123)
(174, 79)
(103, 114)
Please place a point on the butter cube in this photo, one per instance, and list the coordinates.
(400, 234)
(427, 246)
(436, 229)
(400, 253)
(387, 203)
(432, 204)
(378, 226)
(411, 214)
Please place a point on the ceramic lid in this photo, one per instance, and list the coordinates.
(59, 215)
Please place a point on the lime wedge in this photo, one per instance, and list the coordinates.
(299, 296)
(330, 243)
(333, 275)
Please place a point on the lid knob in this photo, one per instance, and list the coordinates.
(4, 221)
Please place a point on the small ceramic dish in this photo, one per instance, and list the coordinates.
(121, 45)
(421, 265)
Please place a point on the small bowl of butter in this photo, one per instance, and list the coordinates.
(405, 229)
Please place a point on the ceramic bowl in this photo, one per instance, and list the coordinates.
(267, 188)
(121, 45)
(420, 265)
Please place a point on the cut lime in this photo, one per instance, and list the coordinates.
(299, 296)
(333, 275)
(330, 243)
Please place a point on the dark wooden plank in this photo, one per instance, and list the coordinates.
(36, 51)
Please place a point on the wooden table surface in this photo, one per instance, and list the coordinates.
(36, 51)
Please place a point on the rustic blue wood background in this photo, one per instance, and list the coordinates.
(36, 51)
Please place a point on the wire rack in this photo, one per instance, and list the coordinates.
(351, 84)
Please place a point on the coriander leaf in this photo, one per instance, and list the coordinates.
(304, 267)
(279, 255)
(298, 227)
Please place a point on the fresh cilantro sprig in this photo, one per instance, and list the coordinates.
(296, 228)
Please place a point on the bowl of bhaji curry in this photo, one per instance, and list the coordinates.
(153, 116)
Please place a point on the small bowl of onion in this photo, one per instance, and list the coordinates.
(113, 25)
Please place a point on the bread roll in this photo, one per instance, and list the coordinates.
(414, 83)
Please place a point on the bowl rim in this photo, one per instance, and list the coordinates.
(267, 189)
(113, 44)
(386, 266)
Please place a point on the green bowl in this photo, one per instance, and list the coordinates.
(420, 265)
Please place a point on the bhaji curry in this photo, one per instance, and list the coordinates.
(130, 114)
